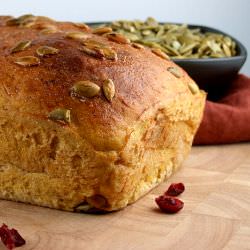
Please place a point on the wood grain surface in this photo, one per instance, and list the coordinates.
(216, 214)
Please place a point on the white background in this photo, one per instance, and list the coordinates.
(230, 16)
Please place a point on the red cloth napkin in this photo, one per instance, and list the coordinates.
(227, 120)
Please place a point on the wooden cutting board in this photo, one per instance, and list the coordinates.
(216, 214)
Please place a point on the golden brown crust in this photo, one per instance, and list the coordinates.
(101, 135)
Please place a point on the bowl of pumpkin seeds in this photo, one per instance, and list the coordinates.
(210, 56)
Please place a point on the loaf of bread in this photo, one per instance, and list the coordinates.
(88, 120)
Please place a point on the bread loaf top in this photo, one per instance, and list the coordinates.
(38, 85)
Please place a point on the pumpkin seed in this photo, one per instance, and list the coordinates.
(137, 46)
(172, 50)
(28, 24)
(131, 36)
(177, 41)
(48, 31)
(82, 26)
(151, 22)
(46, 50)
(115, 37)
(147, 32)
(21, 46)
(27, 61)
(159, 53)
(60, 115)
(43, 26)
(226, 50)
(98, 49)
(175, 71)
(176, 45)
(13, 22)
(185, 48)
(83, 89)
(83, 208)
(109, 54)
(21, 21)
(117, 24)
(77, 35)
(102, 30)
(160, 32)
(26, 17)
(193, 88)
(108, 88)
(93, 44)
(45, 18)
(92, 52)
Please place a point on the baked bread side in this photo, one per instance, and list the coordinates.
(88, 120)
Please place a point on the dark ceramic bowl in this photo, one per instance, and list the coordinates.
(212, 74)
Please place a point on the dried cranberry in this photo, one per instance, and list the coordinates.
(175, 189)
(169, 204)
(10, 237)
